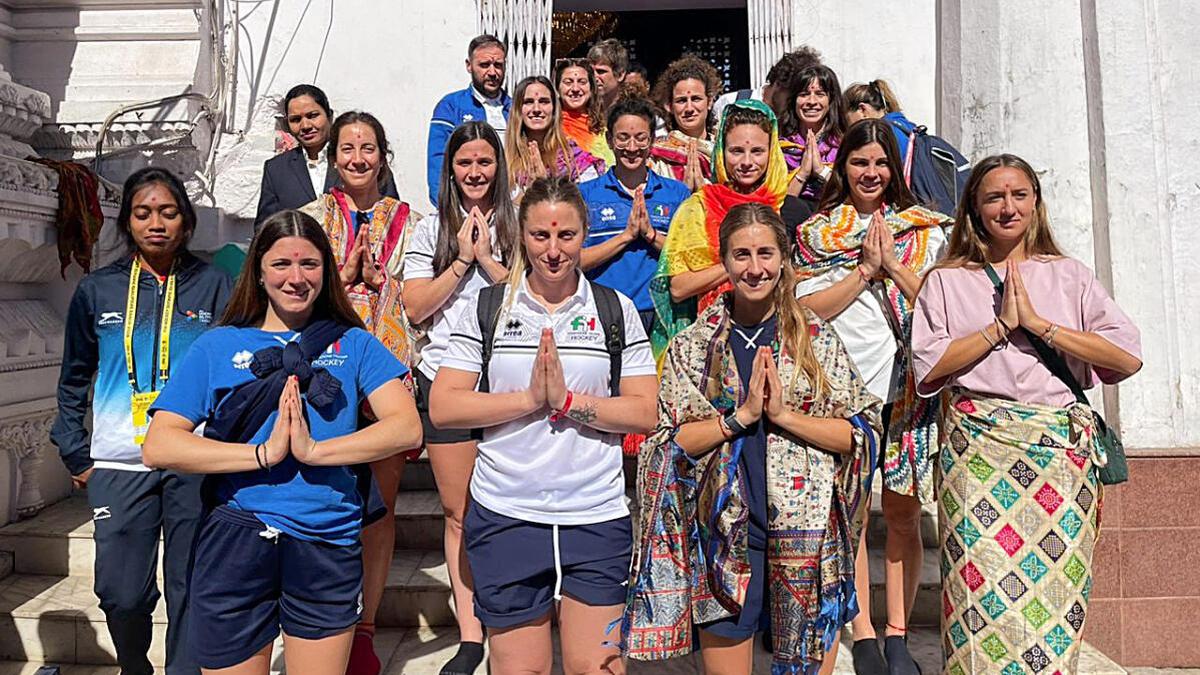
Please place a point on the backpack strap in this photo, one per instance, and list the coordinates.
(486, 312)
(1053, 361)
(612, 319)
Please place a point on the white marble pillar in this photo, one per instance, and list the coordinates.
(1099, 95)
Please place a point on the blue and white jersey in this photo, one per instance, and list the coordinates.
(94, 347)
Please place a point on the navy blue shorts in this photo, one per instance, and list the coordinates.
(754, 615)
(513, 564)
(246, 586)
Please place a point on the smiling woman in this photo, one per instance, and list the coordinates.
(547, 403)
(285, 455)
(297, 176)
(536, 146)
(757, 392)
(749, 168)
(860, 260)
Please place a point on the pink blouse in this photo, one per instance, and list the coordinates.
(958, 302)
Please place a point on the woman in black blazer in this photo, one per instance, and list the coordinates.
(297, 177)
(294, 178)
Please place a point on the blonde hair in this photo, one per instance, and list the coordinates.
(969, 242)
(793, 322)
(877, 93)
(516, 143)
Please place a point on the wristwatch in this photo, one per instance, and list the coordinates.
(734, 425)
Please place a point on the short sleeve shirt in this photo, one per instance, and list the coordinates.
(609, 205)
(313, 503)
(532, 469)
(418, 264)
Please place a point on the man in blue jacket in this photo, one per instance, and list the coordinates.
(485, 101)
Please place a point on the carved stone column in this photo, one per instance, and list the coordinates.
(33, 298)
(25, 440)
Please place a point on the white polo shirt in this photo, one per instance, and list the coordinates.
(418, 264)
(863, 327)
(532, 469)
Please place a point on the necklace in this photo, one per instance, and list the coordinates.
(751, 340)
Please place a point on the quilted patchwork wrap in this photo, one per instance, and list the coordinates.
(691, 564)
(1019, 513)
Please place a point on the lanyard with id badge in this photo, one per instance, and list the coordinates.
(140, 402)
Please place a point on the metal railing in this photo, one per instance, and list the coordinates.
(216, 107)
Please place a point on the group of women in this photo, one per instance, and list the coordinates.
(787, 358)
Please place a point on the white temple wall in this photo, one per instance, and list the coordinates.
(862, 41)
(1151, 137)
(411, 53)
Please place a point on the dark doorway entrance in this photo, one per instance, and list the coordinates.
(654, 38)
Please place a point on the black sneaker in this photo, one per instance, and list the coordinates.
(868, 660)
(899, 661)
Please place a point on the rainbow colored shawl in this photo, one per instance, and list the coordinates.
(691, 244)
(834, 239)
(578, 127)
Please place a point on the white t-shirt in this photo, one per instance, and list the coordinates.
(863, 326)
(418, 264)
(532, 469)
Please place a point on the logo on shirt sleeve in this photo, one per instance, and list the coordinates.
(608, 214)
(109, 318)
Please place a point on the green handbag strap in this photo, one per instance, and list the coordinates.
(1054, 362)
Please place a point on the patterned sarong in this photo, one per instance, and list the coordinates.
(1019, 513)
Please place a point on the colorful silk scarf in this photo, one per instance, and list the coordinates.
(382, 309)
(692, 245)
(834, 239)
(668, 157)
(793, 154)
(691, 563)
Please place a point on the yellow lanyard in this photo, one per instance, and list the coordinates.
(164, 330)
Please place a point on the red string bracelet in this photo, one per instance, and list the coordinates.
(559, 414)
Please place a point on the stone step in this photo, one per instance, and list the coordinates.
(423, 651)
(58, 541)
(877, 526)
(56, 619)
(928, 605)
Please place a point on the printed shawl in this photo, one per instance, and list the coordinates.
(382, 309)
(834, 239)
(690, 562)
(691, 244)
(668, 157)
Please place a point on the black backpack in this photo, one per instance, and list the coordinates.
(612, 320)
(936, 171)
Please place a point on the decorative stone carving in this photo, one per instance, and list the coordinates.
(24, 438)
(22, 176)
(22, 110)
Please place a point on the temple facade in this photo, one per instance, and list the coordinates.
(1098, 95)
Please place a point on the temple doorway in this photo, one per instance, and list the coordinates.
(656, 33)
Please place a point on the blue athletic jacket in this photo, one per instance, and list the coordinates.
(94, 345)
(454, 109)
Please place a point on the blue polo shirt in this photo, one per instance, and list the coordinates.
(609, 205)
